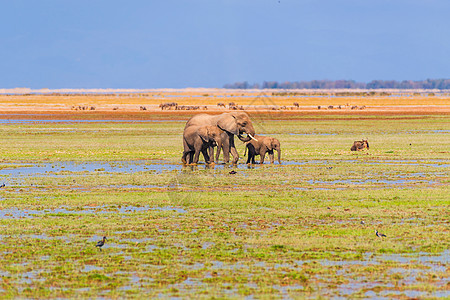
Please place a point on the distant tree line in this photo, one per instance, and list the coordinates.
(438, 84)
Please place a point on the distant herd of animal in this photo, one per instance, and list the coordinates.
(204, 132)
(234, 106)
(231, 106)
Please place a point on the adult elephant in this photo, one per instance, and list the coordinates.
(232, 124)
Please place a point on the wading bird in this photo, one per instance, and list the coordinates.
(379, 234)
(101, 243)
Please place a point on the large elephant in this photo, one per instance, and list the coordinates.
(261, 146)
(198, 139)
(233, 123)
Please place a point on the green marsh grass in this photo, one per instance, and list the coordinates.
(290, 230)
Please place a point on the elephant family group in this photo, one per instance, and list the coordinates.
(203, 132)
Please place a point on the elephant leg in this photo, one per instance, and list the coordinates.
(218, 153)
(226, 150)
(233, 150)
(211, 154)
(206, 155)
(188, 156)
(271, 156)
(183, 158)
(196, 156)
(235, 155)
(262, 158)
(186, 151)
(249, 158)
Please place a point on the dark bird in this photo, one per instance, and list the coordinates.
(232, 172)
(362, 222)
(379, 234)
(101, 243)
(3, 185)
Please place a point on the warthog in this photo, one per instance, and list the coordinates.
(296, 104)
(220, 104)
(360, 145)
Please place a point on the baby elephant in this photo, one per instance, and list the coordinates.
(360, 145)
(260, 147)
(198, 139)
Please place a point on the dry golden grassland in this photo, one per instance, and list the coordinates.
(259, 100)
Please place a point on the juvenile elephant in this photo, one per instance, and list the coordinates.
(231, 124)
(359, 145)
(260, 147)
(198, 139)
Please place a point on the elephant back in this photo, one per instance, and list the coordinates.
(201, 120)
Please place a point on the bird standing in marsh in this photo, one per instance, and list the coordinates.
(379, 234)
(101, 243)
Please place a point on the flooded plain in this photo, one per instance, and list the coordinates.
(435, 172)
(302, 229)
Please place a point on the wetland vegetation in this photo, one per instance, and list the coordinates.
(305, 228)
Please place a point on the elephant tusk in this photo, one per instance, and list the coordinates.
(251, 137)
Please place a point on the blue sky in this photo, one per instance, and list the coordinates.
(207, 43)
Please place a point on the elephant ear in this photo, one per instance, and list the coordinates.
(228, 123)
(204, 134)
(267, 142)
(275, 143)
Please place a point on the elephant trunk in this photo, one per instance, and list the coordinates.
(244, 138)
(249, 130)
(279, 155)
(250, 134)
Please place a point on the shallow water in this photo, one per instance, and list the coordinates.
(15, 213)
(55, 121)
(387, 182)
(13, 174)
(17, 169)
(51, 168)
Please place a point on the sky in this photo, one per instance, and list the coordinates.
(146, 44)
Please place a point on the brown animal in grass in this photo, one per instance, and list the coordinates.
(360, 145)
(202, 139)
(261, 146)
